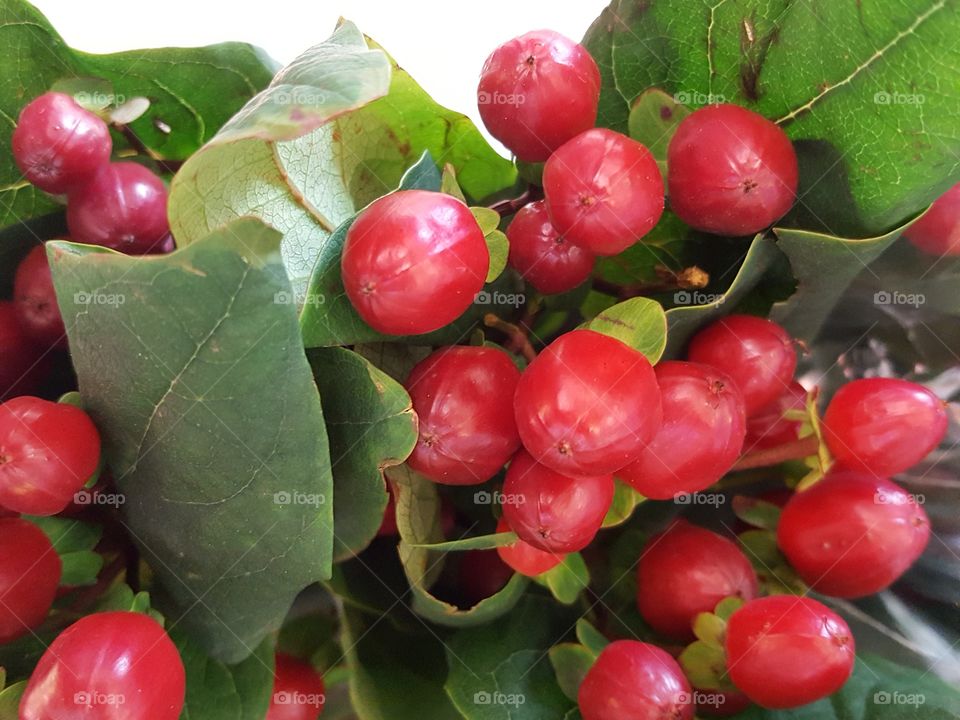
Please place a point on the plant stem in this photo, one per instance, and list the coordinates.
(795, 450)
(691, 278)
(517, 340)
(510, 206)
(168, 166)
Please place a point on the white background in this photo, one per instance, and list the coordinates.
(442, 43)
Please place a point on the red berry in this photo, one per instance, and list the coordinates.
(851, 534)
(58, 145)
(107, 666)
(731, 171)
(553, 512)
(481, 574)
(768, 428)
(588, 404)
(632, 680)
(537, 91)
(524, 557)
(413, 262)
(542, 255)
(883, 425)
(298, 692)
(604, 191)
(701, 435)
(48, 451)
(36, 300)
(938, 232)
(23, 365)
(757, 353)
(786, 651)
(687, 570)
(463, 397)
(124, 207)
(720, 703)
(29, 575)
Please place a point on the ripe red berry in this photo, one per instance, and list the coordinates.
(463, 397)
(524, 557)
(298, 691)
(553, 512)
(59, 145)
(938, 232)
(124, 207)
(29, 575)
(883, 425)
(731, 171)
(768, 427)
(107, 666)
(36, 300)
(588, 404)
(852, 534)
(537, 91)
(701, 435)
(604, 191)
(757, 353)
(413, 262)
(687, 570)
(48, 451)
(481, 574)
(635, 680)
(785, 651)
(22, 363)
(542, 255)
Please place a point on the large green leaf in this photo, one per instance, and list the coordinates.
(194, 373)
(868, 91)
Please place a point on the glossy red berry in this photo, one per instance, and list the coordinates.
(298, 691)
(481, 574)
(524, 557)
(785, 651)
(107, 666)
(588, 404)
(553, 512)
(123, 207)
(883, 425)
(687, 570)
(36, 300)
(463, 397)
(604, 191)
(58, 145)
(756, 353)
(701, 435)
(22, 363)
(852, 534)
(542, 255)
(29, 575)
(48, 451)
(635, 680)
(769, 427)
(413, 262)
(938, 231)
(731, 171)
(537, 91)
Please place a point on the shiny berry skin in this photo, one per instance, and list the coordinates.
(938, 231)
(463, 397)
(588, 404)
(756, 353)
(632, 680)
(604, 191)
(58, 145)
(553, 512)
(687, 570)
(298, 692)
(48, 451)
(481, 574)
(852, 534)
(22, 366)
(731, 171)
(123, 207)
(413, 262)
(107, 666)
(785, 651)
(524, 557)
(768, 428)
(29, 575)
(537, 91)
(701, 435)
(36, 300)
(883, 425)
(542, 255)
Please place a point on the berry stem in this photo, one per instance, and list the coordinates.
(691, 278)
(517, 340)
(511, 206)
(167, 166)
(795, 450)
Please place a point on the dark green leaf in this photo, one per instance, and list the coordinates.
(756, 512)
(74, 541)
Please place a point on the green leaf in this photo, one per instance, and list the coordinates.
(487, 219)
(10, 700)
(449, 184)
(773, 571)
(625, 501)
(499, 248)
(637, 322)
(653, 120)
(590, 637)
(211, 424)
(74, 541)
(705, 665)
(757, 513)
(571, 662)
(371, 426)
(482, 542)
(567, 580)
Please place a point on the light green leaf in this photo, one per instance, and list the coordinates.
(568, 579)
(638, 322)
(571, 662)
